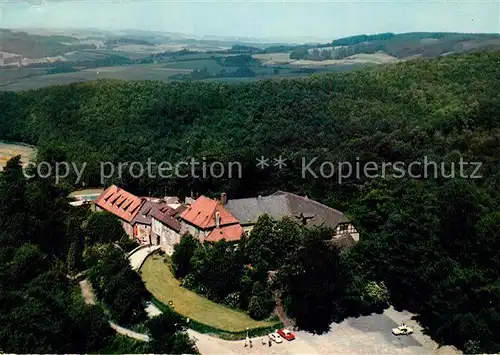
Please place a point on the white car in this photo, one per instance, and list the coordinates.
(403, 329)
(275, 337)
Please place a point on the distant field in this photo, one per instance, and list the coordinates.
(34, 46)
(475, 45)
(9, 150)
(273, 58)
(141, 48)
(88, 55)
(26, 79)
(362, 58)
(377, 58)
(129, 55)
(85, 55)
(287, 73)
(196, 56)
(211, 65)
(132, 72)
(14, 74)
(354, 60)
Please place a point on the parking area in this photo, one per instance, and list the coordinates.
(363, 335)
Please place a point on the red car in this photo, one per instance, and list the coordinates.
(285, 333)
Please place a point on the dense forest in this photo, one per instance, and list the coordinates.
(432, 242)
(44, 242)
(410, 36)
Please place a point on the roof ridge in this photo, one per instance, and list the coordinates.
(120, 202)
(315, 202)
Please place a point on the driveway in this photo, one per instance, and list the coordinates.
(140, 255)
(364, 335)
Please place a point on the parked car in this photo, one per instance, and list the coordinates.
(403, 329)
(275, 337)
(285, 333)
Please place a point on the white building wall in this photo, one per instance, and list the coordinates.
(195, 232)
(167, 237)
(342, 228)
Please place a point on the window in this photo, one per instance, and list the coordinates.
(343, 228)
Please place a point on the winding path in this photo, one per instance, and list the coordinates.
(138, 255)
(88, 296)
(136, 258)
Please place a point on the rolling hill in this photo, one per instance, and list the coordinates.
(86, 53)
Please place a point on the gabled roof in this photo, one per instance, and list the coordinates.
(202, 214)
(119, 202)
(322, 214)
(281, 204)
(146, 211)
(229, 233)
(166, 215)
(248, 210)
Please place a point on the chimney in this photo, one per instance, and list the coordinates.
(223, 198)
(217, 219)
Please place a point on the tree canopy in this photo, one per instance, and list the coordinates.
(428, 244)
(42, 243)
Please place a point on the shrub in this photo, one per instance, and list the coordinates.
(261, 303)
(260, 307)
(127, 244)
(376, 295)
(232, 300)
(189, 282)
(183, 252)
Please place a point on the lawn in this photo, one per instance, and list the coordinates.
(211, 65)
(162, 284)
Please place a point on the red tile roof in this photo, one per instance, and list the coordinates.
(202, 213)
(119, 202)
(229, 233)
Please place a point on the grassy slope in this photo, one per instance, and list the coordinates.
(162, 284)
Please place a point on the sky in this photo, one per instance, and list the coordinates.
(318, 19)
